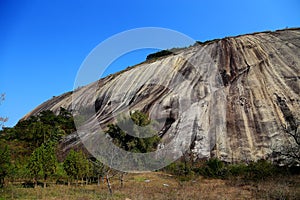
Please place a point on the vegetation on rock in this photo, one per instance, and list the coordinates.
(159, 54)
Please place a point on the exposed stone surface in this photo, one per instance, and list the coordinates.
(228, 98)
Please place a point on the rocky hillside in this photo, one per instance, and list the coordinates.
(232, 98)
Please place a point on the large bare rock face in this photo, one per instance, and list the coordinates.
(229, 98)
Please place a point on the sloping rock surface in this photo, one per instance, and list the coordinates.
(230, 98)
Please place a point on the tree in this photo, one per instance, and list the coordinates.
(4, 163)
(290, 152)
(130, 143)
(34, 164)
(44, 127)
(70, 165)
(48, 160)
(98, 169)
(82, 165)
(2, 119)
(43, 160)
(76, 165)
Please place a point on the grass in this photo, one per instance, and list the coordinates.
(163, 186)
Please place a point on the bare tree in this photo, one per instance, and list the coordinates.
(290, 152)
(2, 119)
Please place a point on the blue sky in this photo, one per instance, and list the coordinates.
(43, 43)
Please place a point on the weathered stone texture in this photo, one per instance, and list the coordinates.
(228, 98)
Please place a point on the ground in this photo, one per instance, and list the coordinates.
(163, 186)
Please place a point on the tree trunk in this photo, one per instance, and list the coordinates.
(98, 180)
(1, 182)
(122, 179)
(77, 181)
(45, 178)
(82, 181)
(108, 184)
(35, 182)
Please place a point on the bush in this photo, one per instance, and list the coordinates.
(260, 170)
(131, 143)
(213, 168)
(182, 169)
(237, 170)
(159, 54)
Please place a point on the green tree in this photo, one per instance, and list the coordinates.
(44, 127)
(4, 163)
(83, 166)
(34, 164)
(143, 127)
(43, 160)
(97, 169)
(70, 165)
(76, 165)
(48, 160)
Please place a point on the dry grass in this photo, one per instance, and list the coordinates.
(163, 186)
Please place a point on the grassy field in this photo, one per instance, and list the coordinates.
(163, 186)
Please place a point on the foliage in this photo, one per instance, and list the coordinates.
(34, 164)
(130, 143)
(43, 160)
(44, 127)
(260, 170)
(214, 168)
(76, 165)
(182, 170)
(237, 170)
(159, 54)
(97, 168)
(4, 163)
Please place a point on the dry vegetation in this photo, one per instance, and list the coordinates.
(163, 186)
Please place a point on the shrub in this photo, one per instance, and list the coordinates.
(182, 169)
(260, 170)
(237, 170)
(214, 168)
(159, 54)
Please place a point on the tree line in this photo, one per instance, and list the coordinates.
(29, 150)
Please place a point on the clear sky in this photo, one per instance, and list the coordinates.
(43, 43)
